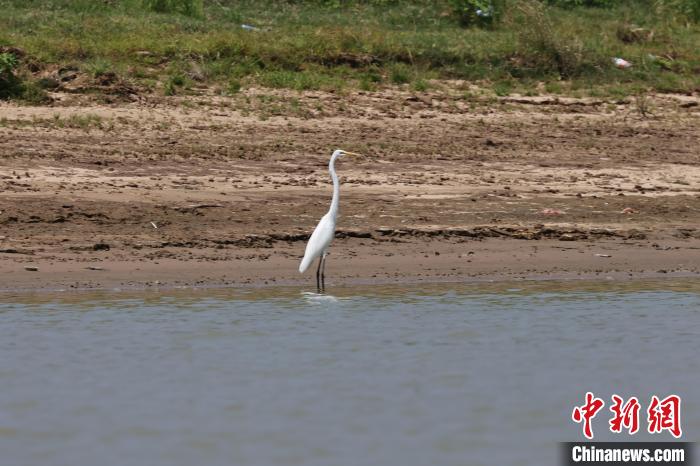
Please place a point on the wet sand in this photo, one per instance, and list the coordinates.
(208, 190)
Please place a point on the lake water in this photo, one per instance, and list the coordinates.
(473, 375)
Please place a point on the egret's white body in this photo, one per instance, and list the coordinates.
(324, 232)
(320, 240)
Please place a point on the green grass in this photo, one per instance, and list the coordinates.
(97, 67)
(315, 44)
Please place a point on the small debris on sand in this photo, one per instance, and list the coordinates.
(552, 212)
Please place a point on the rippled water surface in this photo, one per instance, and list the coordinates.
(443, 375)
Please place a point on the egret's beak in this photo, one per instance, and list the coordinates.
(351, 153)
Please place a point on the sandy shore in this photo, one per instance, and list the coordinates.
(224, 191)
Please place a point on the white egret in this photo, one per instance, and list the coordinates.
(325, 230)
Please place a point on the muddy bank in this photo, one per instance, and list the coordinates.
(209, 190)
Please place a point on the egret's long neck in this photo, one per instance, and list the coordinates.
(336, 188)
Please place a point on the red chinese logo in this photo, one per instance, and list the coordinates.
(587, 412)
(626, 416)
(661, 414)
(665, 415)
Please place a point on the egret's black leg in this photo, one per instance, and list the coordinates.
(323, 271)
(318, 274)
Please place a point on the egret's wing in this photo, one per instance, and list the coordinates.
(320, 240)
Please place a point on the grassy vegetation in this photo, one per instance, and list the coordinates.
(84, 122)
(170, 46)
(9, 84)
(12, 87)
